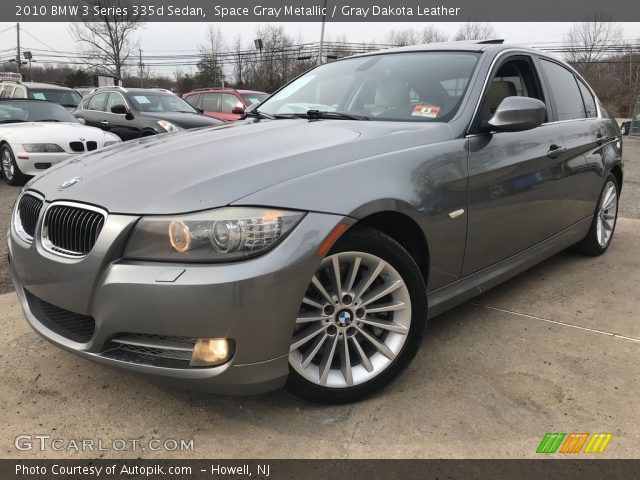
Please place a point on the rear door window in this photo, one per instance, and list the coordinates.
(565, 91)
(589, 100)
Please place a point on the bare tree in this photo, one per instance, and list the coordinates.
(431, 34)
(210, 67)
(276, 63)
(401, 38)
(475, 31)
(589, 42)
(106, 44)
(409, 36)
(238, 61)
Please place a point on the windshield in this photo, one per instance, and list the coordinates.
(252, 98)
(415, 86)
(160, 102)
(66, 98)
(13, 111)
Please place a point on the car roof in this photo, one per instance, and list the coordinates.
(28, 100)
(493, 46)
(224, 90)
(48, 86)
(116, 88)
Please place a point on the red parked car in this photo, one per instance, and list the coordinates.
(223, 103)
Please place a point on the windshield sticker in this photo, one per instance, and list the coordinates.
(430, 111)
(141, 99)
(39, 96)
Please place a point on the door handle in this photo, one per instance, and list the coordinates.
(555, 151)
(104, 122)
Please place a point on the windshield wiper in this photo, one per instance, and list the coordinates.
(258, 114)
(12, 121)
(49, 120)
(328, 114)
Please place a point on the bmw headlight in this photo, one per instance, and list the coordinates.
(42, 148)
(168, 126)
(112, 142)
(218, 235)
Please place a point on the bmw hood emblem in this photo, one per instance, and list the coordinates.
(69, 183)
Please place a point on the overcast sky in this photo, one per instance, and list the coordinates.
(185, 37)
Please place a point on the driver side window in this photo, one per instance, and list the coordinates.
(515, 78)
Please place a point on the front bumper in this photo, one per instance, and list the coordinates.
(253, 302)
(37, 162)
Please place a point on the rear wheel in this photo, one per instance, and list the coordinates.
(604, 221)
(10, 171)
(360, 322)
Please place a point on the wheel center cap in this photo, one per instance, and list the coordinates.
(344, 318)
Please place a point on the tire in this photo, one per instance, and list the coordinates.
(364, 357)
(10, 171)
(604, 221)
(147, 133)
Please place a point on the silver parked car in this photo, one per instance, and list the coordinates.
(308, 244)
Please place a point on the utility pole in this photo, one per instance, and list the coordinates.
(141, 69)
(18, 56)
(324, 18)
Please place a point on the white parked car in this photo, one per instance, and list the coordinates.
(36, 134)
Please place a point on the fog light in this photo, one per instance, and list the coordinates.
(211, 351)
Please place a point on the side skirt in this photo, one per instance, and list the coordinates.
(460, 291)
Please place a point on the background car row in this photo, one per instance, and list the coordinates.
(29, 143)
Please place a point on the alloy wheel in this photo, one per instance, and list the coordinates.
(7, 165)
(607, 213)
(353, 321)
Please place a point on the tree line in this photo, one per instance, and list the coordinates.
(595, 49)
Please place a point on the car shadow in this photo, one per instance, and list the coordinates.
(441, 327)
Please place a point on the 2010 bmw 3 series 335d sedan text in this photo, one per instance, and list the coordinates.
(307, 244)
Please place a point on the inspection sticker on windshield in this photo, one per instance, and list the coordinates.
(430, 111)
(141, 99)
(39, 96)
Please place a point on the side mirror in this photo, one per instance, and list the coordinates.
(237, 110)
(81, 120)
(119, 109)
(122, 110)
(515, 114)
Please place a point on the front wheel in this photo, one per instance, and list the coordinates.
(604, 220)
(11, 172)
(360, 322)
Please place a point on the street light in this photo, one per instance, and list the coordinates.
(27, 54)
(258, 44)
